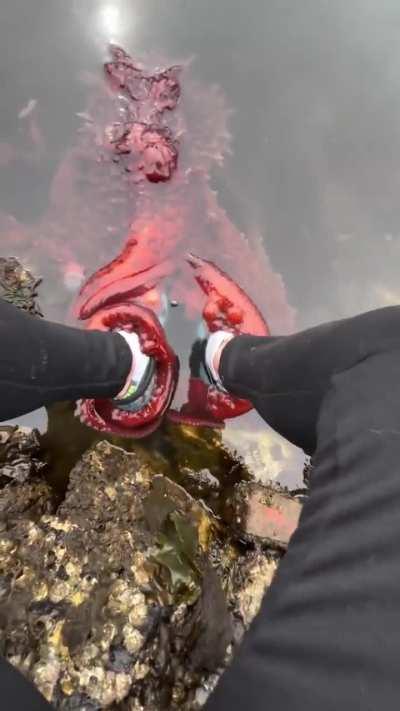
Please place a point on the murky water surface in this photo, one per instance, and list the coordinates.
(313, 167)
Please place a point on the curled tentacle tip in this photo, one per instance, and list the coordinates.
(194, 260)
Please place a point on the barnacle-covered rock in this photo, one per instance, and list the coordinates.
(20, 453)
(18, 286)
(130, 595)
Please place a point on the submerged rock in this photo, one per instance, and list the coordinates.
(265, 513)
(130, 595)
(18, 286)
(20, 453)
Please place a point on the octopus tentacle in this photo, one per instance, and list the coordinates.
(133, 272)
(120, 289)
(227, 308)
(103, 415)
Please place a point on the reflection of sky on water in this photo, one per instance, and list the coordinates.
(264, 452)
(36, 419)
(315, 87)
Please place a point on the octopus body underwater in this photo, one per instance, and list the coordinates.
(133, 236)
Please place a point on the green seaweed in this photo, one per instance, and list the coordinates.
(177, 552)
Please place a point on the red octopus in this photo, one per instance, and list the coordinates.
(138, 180)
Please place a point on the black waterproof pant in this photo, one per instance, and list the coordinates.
(43, 362)
(327, 637)
(328, 634)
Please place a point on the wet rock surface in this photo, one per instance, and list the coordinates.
(130, 595)
(264, 513)
(20, 453)
(18, 286)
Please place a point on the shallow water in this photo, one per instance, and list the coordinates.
(315, 162)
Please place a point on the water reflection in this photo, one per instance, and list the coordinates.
(110, 21)
(33, 420)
